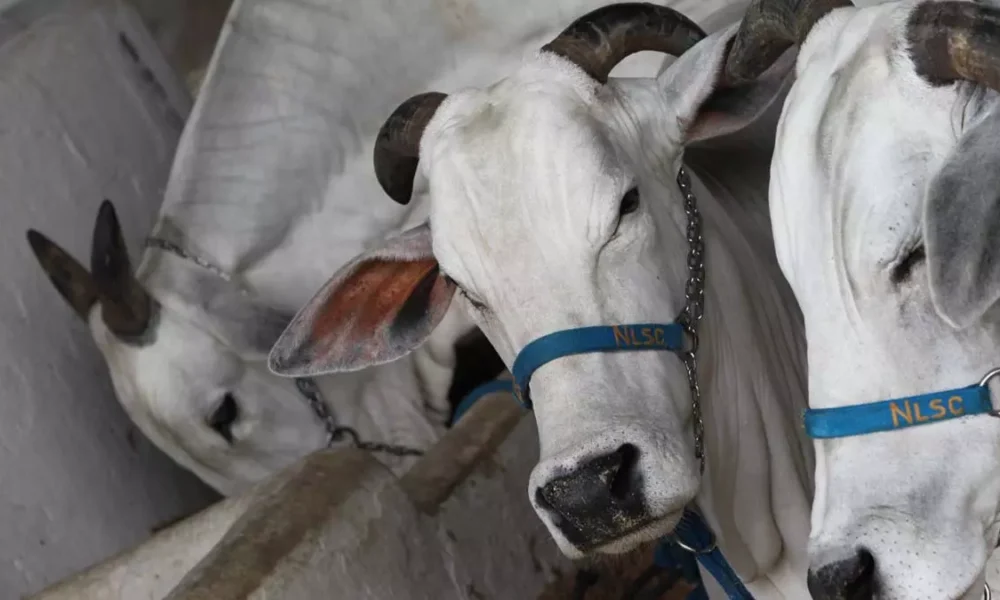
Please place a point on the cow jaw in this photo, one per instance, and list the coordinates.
(860, 140)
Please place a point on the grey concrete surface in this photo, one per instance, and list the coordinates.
(339, 525)
(78, 123)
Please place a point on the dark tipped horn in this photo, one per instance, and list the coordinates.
(125, 306)
(602, 38)
(768, 28)
(397, 146)
(72, 281)
(955, 40)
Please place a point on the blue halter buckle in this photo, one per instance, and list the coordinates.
(901, 413)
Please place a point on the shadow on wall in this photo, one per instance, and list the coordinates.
(80, 122)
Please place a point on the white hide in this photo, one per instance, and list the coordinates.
(861, 139)
(576, 265)
(525, 178)
(272, 183)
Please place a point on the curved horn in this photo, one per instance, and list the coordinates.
(768, 28)
(72, 281)
(397, 146)
(955, 40)
(125, 306)
(602, 38)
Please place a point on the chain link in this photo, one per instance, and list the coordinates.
(694, 308)
(308, 388)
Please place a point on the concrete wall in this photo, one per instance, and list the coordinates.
(78, 123)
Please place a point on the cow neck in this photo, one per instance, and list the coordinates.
(757, 484)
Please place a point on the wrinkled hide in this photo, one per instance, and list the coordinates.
(884, 201)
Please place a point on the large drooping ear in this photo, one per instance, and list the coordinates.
(377, 308)
(949, 42)
(71, 280)
(706, 104)
(961, 221)
(729, 80)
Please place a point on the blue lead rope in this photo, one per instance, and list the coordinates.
(692, 541)
(497, 385)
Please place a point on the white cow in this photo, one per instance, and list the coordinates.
(885, 205)
(272, 189)
(554, 205)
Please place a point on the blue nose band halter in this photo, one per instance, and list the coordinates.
(902, 413)
(584, 340)
(692, 539)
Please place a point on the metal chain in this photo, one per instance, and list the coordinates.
(308, 388)
(694, 308)
(168, 246)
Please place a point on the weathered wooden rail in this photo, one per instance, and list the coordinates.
(338, 524)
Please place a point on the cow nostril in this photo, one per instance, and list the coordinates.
(863, 584)
(623, 480)
(849, 579)
(598, 499)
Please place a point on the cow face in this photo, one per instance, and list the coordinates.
(187, 361)
(554, 205)
(885, 198)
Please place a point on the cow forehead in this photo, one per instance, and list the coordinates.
(861, 134)
(529, 159)
(184, 362)
(539, 118)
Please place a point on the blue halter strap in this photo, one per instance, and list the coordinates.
(901, 413)
(584, 340)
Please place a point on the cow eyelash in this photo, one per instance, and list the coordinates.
(903, 269)
(476, 304)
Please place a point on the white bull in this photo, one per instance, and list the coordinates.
(554, 204)
(272, 188)
(885, 205)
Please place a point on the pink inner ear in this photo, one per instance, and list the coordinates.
(371, 296)
(379, 312)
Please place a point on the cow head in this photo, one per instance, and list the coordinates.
(554, 205)
(885, 203)
(188, 363)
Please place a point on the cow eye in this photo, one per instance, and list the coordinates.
(630, 202)
(224, 416)
(904, 268)
(476, 304)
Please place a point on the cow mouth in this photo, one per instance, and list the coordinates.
(629, 539)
